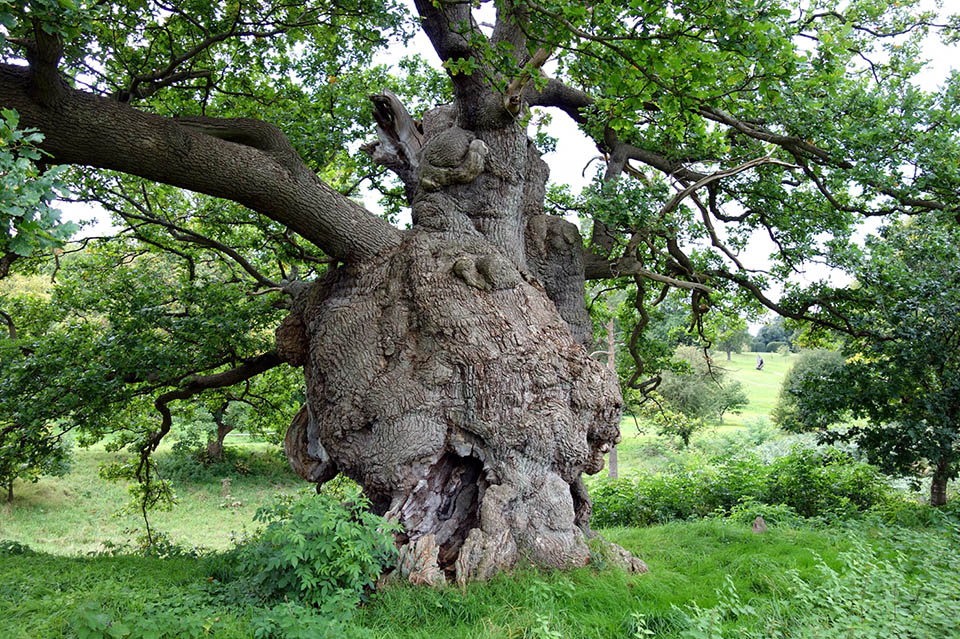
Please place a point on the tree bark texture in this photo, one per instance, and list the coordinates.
(613, 466)
(938, 484)
(448, 375)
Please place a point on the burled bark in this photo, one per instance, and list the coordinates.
(448, 375)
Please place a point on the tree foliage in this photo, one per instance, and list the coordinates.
(692, 396)
(902, 373)
(812, 369)
(27, 221)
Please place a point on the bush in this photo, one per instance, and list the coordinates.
(758, 431)
(747, 511)
(9, 547)
(810, 365)
(908, 513)
(823, 482)
(191, 465)
(691, 488)
(315, 550)
(774, 347)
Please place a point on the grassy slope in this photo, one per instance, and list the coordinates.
(761, 387)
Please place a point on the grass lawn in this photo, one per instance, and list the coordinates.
(77, 513)
(45, 595)
(761, 387)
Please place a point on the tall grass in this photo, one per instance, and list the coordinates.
(709, 579)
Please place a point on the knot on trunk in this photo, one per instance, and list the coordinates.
(292, 342)
(487, 273)
(453, 156)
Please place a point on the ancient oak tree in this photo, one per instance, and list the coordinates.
(445, 365)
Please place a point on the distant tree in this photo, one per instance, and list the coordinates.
(774, 332)
(810, 369)
(692, 395)
(775, 346)
(902, 374)
(730, 399)
(30, 453)
(733, 340)
(132, 332)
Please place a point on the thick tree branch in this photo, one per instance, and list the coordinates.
(11, 327)
(6, 262)
(445, 25)
(575, 104)
(246, 161)
(198, 383)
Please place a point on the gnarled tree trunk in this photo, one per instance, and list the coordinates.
(215, 443)
(448, 376)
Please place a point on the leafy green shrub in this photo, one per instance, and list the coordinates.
(615, 503)
(747, 511)
(818, 482)
(774, 347)
(908, 513)
(689, 488)
(9, 547)
(811, 365)
(188, 464)
(314, 549)
(824, 482)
